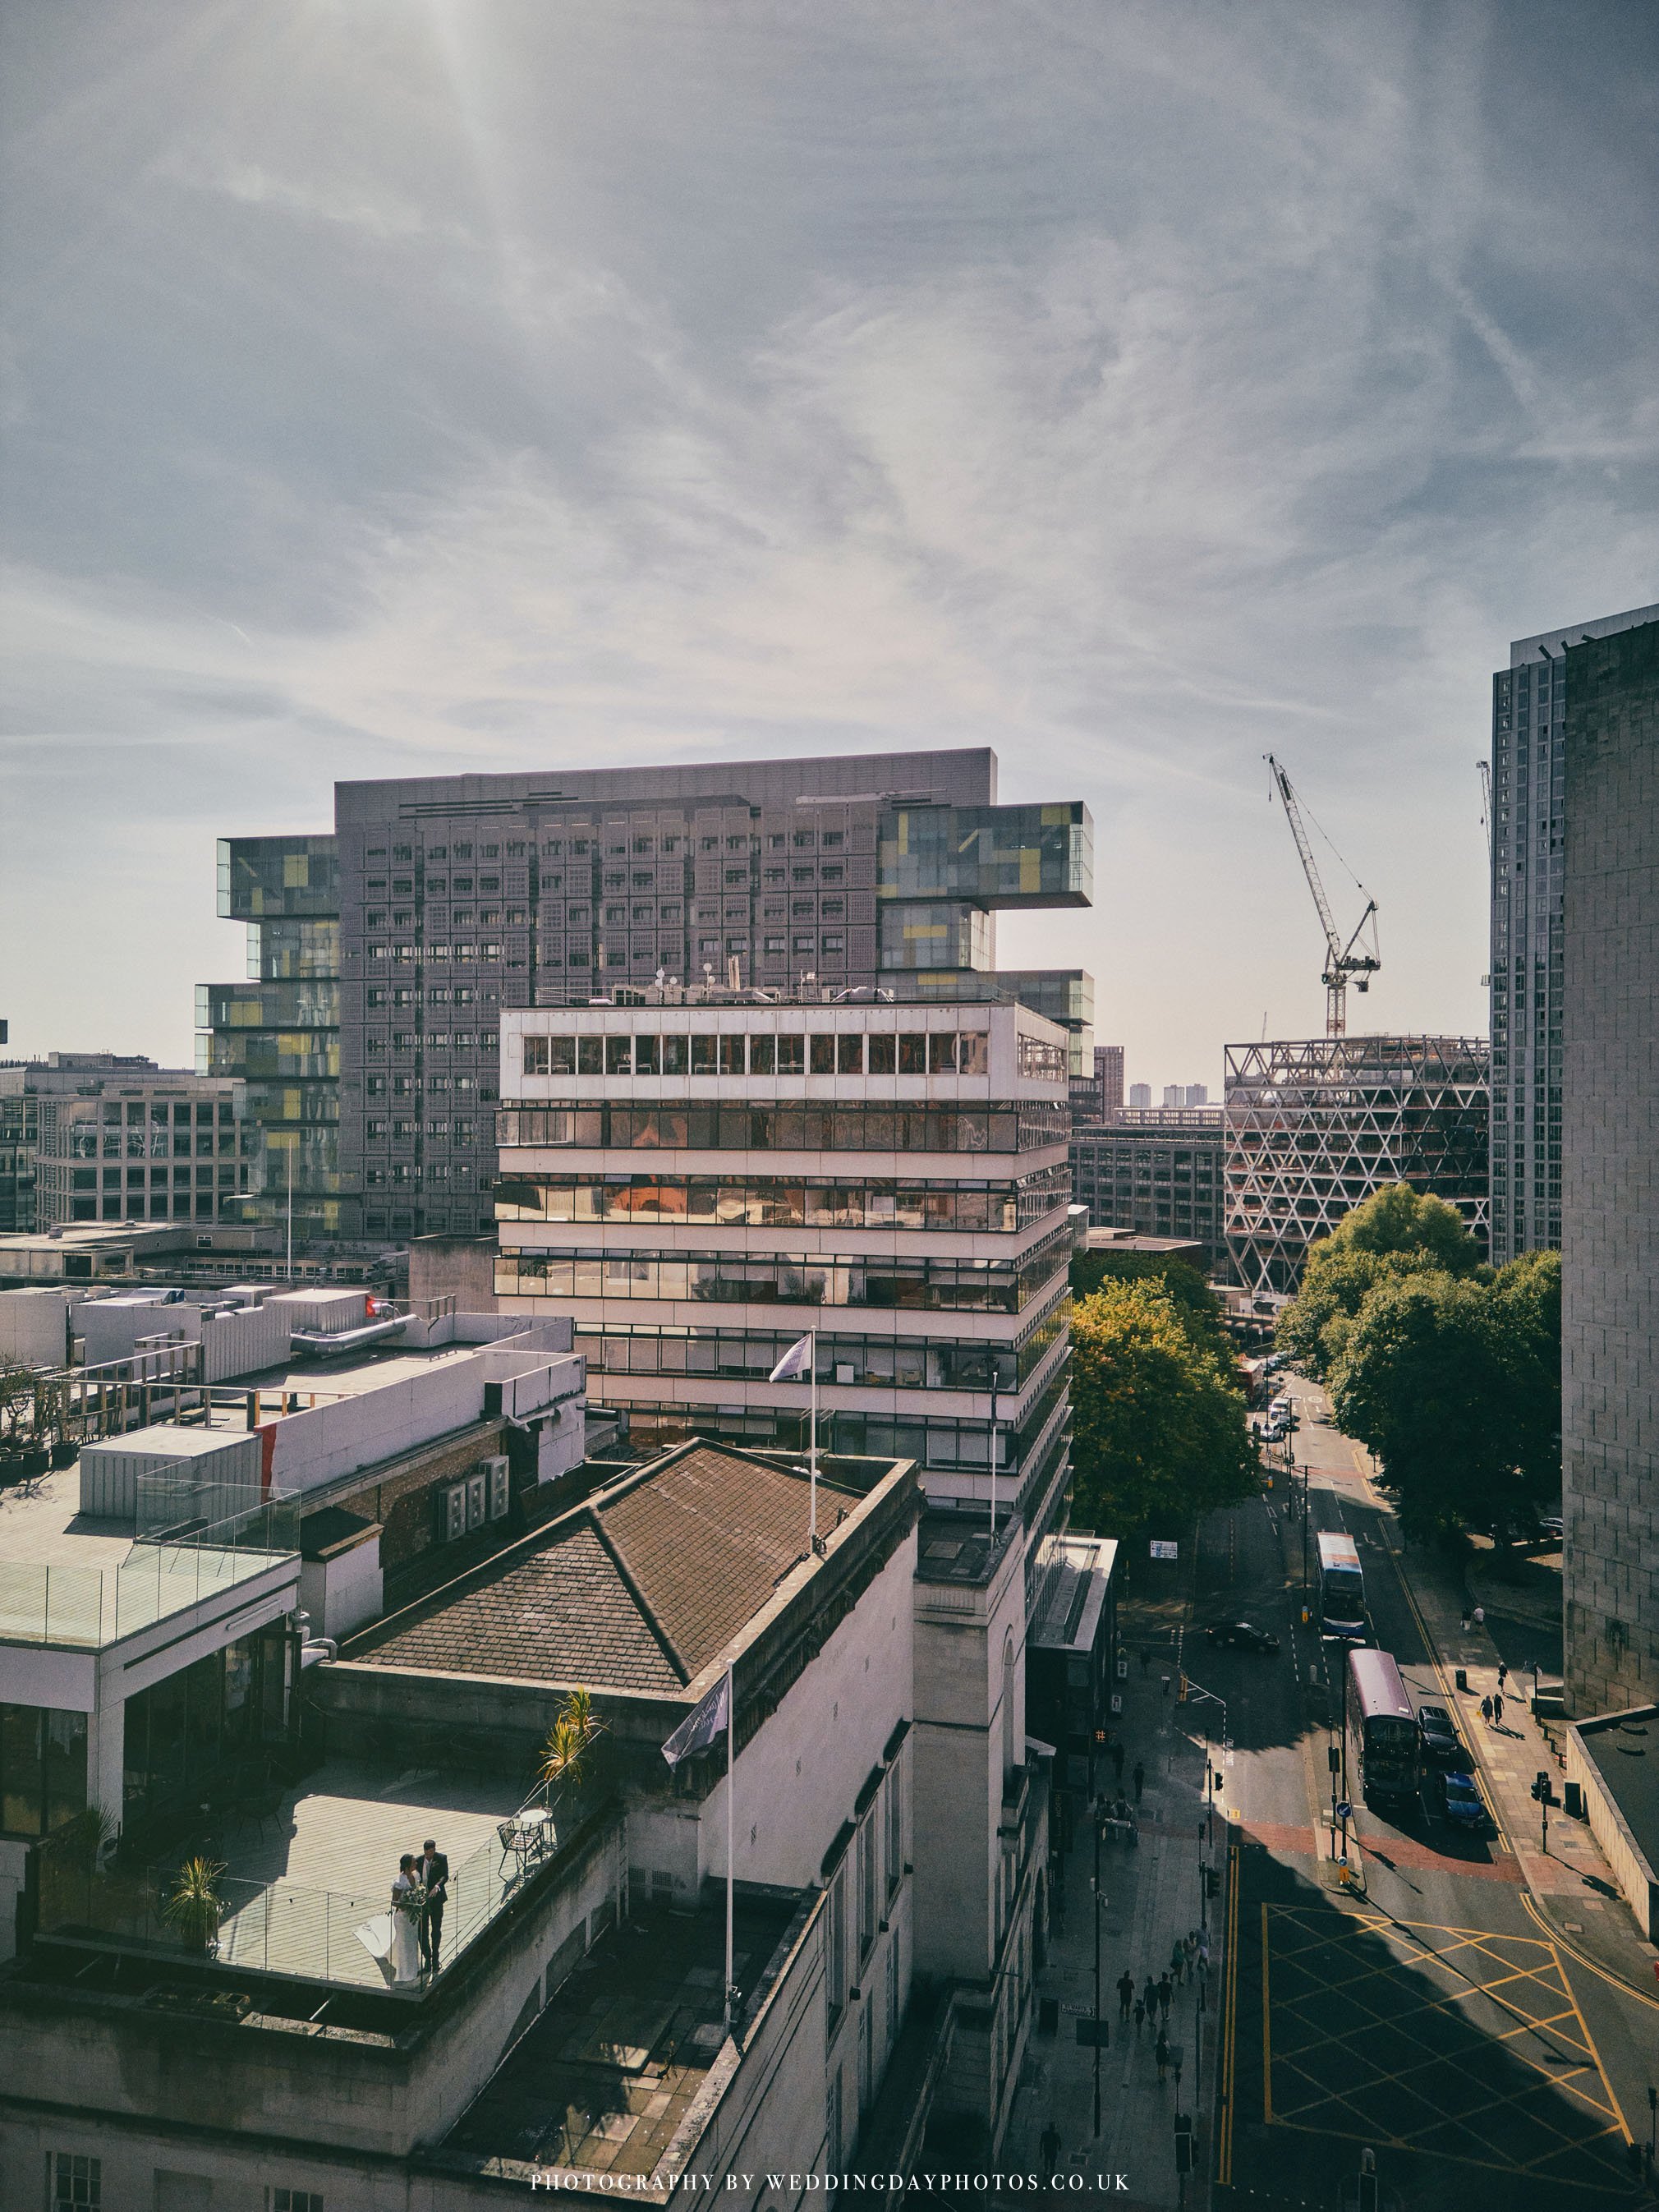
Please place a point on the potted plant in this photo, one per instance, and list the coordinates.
(195, 1907)
(567, 1753)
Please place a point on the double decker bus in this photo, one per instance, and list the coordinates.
(1341, 1588)
(1384, 1747)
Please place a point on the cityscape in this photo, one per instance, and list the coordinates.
(668, 1526)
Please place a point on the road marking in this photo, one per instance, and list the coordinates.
(1229, 2024)
(1266, 2030)
(1613, 1981)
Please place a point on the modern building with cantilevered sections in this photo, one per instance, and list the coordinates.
(380, 956)
(577, 2026)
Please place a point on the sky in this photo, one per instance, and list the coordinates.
(394, 386)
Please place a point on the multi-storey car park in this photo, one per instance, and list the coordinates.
(381, 957)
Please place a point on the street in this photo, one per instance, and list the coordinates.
(1432, 2014)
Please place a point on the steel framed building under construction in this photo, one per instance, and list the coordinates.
(1314, 1125)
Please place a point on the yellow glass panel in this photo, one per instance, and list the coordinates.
(296, 872)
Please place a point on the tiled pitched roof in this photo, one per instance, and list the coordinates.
(564, 1614)
(706, 1540)
(703, 1541)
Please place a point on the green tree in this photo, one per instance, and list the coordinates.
(1526, 1306)
(1397, 1233)
(1160, 1434)
(1454, 1385)
(1196, 1304)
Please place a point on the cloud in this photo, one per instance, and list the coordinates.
(1133, 390)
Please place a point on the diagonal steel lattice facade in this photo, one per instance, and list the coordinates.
(1314, 1125)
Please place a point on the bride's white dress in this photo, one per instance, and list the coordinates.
(405, 1939)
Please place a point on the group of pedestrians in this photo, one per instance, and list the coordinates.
(1150, 2003)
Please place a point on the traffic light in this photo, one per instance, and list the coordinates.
(1213, 1881)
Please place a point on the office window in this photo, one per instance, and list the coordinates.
(792, 1055)
(824, 1055)
(849, 1055)
(296, 2200)
(646, 1055)
(702, 1054)
(834, 1947)
(75, 2179)
(761, 1055)
(884, 1055)
(895, 1826)
(835, 943)
(731, 1055)
(912, 1054)
(805, 944)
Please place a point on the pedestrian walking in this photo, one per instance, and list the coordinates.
(1465, 1620)
(1118, 1755)
(1048, 2150)
(1503, 1673)
(1178, 1961)
(1125, 1993)
(1140, 2015)
(1498, 1710)
(1203, 1954)
(1480, 1616)
(1190, 1947)
(1166, 1996)
(1162, 2055)
(1139, 1777)
(1486, 1710)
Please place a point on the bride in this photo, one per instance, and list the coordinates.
(406, 1897)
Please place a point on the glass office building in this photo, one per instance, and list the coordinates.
(1529, 740)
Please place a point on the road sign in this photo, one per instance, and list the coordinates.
(1162, 1549)
(1345, 1811)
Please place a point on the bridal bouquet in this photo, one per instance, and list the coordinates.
(410, 1901)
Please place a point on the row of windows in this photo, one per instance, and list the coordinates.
(438, 1040)
(872, 1869)
(180, 1114)
(884, 1362)
(735, 1202)
(707, 1126)
(707, 1052)
(785, 1279)
(88, 1178)
(85, 1144)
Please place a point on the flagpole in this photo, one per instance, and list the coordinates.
(812, 1454)
(730, 1828)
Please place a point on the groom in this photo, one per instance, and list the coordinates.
(432, 1871)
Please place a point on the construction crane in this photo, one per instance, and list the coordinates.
(1342, 961)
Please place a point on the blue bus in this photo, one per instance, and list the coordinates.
(1341, 1588)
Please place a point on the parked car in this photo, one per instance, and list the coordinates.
(1553, 1525)
(1464, 1806)
(1243, 1636)
(1442, 1745)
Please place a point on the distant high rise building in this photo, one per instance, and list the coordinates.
(1316, 1125)
(1530, 829)
(381, 957)
(1109, 1074)
(1609, 905)
(1140, 1095)
(1198, 1094)
(1175, 1094)
(1154, 1169)
(103, 1136)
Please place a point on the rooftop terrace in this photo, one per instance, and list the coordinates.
(70, 1578)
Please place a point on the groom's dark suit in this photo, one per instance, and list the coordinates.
(434, 1871)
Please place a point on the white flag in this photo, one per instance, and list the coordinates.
(795, 1363)
(705, 1723)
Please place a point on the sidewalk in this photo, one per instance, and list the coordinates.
(1152, 1894)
